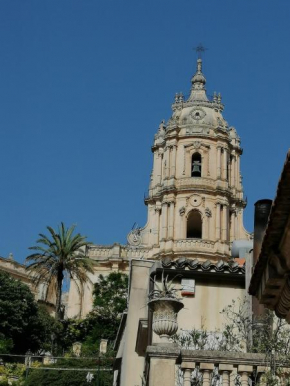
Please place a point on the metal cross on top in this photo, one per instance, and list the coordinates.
(199, 50)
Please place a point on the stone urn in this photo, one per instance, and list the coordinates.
(165, 312)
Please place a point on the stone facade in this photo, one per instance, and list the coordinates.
(195, 198)
(18, 271)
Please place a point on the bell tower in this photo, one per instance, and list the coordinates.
(195, 200)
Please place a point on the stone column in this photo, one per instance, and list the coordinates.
(218, 221)
(164, 220)
(224, 223)
(173, 161)
(204, 164)
(225, 162)
(233, 171)
(205, 227)
(162, 369)
(238, 173)
(225, 371)
(206, 369)
(187, 368)
(230, 169)
(166, 163)
(158, 168)
(245, 372)
(208, 161)
(171, 220)
(157, 225)
(218, 162)
(233, 228)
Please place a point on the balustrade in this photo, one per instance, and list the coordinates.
(216, 368)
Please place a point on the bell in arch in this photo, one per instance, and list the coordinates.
(196, 165)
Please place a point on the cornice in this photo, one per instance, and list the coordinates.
(204, 266)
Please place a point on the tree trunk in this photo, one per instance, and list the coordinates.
(58, 295)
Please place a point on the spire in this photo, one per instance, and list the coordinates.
(198, 84)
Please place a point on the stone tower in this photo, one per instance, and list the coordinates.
(195, 201)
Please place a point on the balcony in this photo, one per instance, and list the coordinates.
(209, 368)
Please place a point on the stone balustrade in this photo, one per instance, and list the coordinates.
(117, 251)
(189, 182)
(226, 368)
(188, 244)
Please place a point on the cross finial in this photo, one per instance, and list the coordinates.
(199, 50)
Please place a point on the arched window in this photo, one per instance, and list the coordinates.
(194, 225)
(196, 165)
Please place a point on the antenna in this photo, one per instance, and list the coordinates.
(199, 50)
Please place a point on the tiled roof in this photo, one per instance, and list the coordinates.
(205, 266)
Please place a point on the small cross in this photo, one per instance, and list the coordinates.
(199, 50)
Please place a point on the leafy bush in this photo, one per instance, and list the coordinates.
(110, 300)
(42, 377)
(23, 324)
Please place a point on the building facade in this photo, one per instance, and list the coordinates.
(195, 199)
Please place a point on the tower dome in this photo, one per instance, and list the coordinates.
(195, 201)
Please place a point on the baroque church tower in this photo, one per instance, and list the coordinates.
(195, 201)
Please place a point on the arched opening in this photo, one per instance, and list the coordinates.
(194, 225)
(196, 165)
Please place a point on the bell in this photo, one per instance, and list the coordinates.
(196, 167)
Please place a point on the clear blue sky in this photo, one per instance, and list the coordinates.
(84, 85)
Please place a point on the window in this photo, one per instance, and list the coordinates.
(196, 165)
(194, 225)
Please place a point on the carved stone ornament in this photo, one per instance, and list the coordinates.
(182, 211)
(197, 113)
(165, 312)
(195, 200)
(196, 144)
(208, 212)
(134, 238)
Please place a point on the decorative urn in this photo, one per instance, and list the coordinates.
(165, 312)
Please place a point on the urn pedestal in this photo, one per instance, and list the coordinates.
(165, 312)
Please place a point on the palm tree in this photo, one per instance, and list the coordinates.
(59, 255)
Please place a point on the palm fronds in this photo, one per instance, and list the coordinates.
(58, 254)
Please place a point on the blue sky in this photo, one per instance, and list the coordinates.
(84, 85)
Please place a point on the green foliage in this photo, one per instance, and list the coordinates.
(74, 330)
(23, 325)
(266, 334)
(110, 295)
(195, 340)
(102, 370)
(58, 255)
(15, 369)
(110, 301)
(6, 344)
(165, 289)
